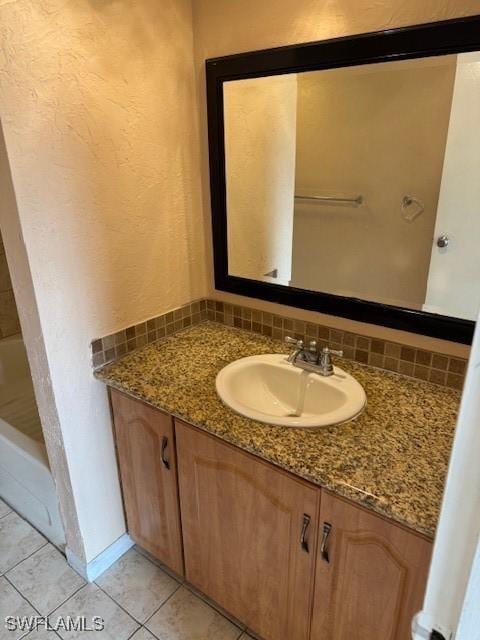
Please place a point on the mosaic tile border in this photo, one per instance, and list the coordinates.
(116, 345)
(434, 367)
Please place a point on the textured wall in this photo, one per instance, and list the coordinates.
(9, 322)
(260, 175)
(379, 131)
(250, 25)
(32, 335)
(98, 108)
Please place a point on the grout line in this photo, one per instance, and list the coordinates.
(26, 557)
(67, 599)
(23, 596)
(163, 603)
(157, 563)
(216, 607)
(106, 594)
(119, 605)
(195, 592)
(179, 584)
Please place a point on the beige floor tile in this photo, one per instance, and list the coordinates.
(216, 606)
(180, 579)
(4, 508)
(46, 579)
(137, 585)
(91, 601)
(12, 604)
(186, 617)
(18, 540)
(143, 634)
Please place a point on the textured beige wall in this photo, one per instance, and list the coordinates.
(9, 322)
(250, 25)
(98, 107)
(32, 335)
(379, 131)
(97, 100)
(260, 132)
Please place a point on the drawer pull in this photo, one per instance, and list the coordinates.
(327, 527)
(166, 463)
(303, 535)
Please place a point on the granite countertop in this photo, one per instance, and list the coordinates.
(392, 459)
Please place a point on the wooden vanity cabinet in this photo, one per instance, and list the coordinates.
(147, 461)
(250, 533)
(289, 560)
(370, 576)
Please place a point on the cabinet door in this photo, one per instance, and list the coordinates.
(374, 580)
(242, 530)
(146, 454)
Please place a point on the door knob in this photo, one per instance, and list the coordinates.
(442, 241)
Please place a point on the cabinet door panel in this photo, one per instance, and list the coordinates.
(149, 485)
(242, 522)
(375, 579)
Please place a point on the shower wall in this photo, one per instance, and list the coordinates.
(9, 322)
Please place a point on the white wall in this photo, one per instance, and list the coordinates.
(459, 525)
(455, 270)
(469, 625)
(98, 105)
(260, 139)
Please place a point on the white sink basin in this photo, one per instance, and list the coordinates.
(269, 389)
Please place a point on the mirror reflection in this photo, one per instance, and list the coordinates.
(360, 181)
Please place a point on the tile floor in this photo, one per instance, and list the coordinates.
(137, 597)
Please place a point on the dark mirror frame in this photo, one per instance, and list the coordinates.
(439, 38)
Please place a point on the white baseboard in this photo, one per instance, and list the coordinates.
(92, 570)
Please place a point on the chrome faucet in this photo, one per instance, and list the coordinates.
(311, 359)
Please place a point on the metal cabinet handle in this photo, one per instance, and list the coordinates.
(166, 463)
(303, 535)
(327, 527)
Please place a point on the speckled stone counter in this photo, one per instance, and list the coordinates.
(392, 459)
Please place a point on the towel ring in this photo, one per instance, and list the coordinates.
(411, 208)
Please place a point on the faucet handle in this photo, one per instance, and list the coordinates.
(332, 352)
(294, 341)
(326, 360)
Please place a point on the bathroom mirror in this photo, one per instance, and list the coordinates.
(344, 176)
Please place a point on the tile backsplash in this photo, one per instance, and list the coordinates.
(118, 344)
(417, 363)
